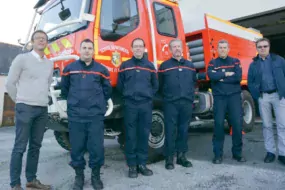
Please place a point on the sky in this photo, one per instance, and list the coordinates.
(15, 18)
(16, 15)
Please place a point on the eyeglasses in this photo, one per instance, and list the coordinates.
(138, 46)
(40, 38)
(259, 47)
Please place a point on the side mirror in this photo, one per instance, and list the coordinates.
(121, 11)
(64, 14)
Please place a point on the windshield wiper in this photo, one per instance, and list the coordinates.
(65, 33)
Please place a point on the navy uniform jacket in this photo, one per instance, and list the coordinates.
(86, 88)
(137, 80)
(177, 80)
(222, 85)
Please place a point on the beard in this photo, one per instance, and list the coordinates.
(177, 54)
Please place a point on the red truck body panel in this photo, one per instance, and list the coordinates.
(240, 47)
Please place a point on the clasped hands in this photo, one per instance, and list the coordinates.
(227, 74)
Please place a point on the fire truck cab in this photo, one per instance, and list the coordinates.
(112, 25)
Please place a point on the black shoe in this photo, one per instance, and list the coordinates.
(133, 172)
(144, 170)
(281, 159)
(95, 179)
(169, 163)
(182, 160)
(79, 179)
(270, 157)
(217, 160)
(239, 158)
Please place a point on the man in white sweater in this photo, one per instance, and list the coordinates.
(28, 83)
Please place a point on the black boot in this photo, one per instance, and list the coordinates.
(239, 158)
(95, 179)
(217, 160)
(182, 160)
(133, 172)
(79, 179)
(169, 163)
(144, 170)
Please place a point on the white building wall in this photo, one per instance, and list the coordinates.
(2, 92)
(193, 10)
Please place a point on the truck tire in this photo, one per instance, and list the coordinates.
(248, 111)
(62, 139)
(156, 137)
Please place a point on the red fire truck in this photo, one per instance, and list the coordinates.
(112, 25)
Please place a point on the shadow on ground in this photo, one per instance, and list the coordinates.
(200, 149)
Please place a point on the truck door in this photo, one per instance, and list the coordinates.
(167, 25)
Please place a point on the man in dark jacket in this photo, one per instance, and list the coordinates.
(86, 86)
(177, 78)
(266, 82)
(225, 73)
(138, 84)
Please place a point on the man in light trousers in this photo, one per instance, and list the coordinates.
(266, 82)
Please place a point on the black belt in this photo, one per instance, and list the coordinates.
(270, 91)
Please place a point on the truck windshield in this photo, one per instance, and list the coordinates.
(49, 18)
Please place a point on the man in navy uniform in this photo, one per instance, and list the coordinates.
(86, 86)
(138, 84)
(177, 78)
(225, 73)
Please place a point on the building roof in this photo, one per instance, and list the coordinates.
(7, 53)
(269, 23)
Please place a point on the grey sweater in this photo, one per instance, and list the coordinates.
(29, 79)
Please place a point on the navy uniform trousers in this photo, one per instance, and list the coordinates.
(138, 120)
(90, 136)
(177, 116)
(230, 104)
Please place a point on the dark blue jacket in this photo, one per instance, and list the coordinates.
(137, 80)
(177, 80)
(254, 77)
(220, 84)
(87, 89)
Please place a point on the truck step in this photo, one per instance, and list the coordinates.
(111, 133)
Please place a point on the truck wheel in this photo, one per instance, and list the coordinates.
(62, 139)
(248, 111)
(156, 137)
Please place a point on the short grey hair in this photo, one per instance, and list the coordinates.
(223, 41)
(175, 40)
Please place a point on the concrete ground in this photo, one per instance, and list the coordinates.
(254, 174)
